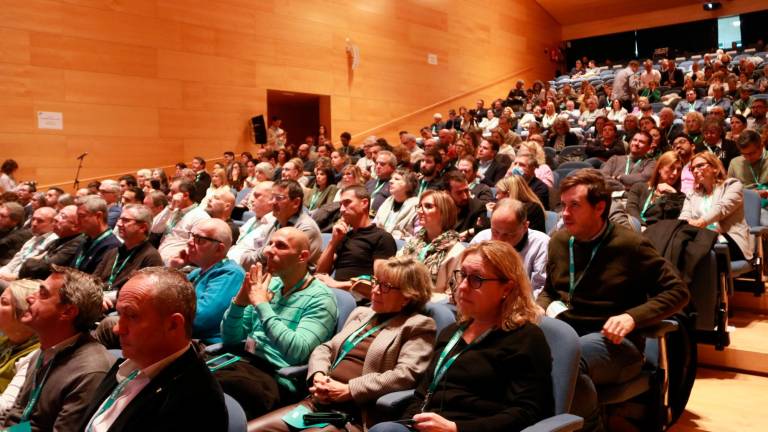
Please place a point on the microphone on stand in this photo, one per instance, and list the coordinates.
(82, 156)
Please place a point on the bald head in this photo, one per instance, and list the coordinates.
(217, 229)
(42, 220)
(221, 204)
(287, 252)
(295, 237)
(509, 221)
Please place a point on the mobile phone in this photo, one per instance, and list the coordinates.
(221, 361)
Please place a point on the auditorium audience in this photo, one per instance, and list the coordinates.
(515, 187)
(176, 221)
(99, 239)
(751, 169)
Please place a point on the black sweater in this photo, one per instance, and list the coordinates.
(503, 383)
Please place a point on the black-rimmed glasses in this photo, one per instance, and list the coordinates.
(383, 286)
(474, 281)
(196, 238)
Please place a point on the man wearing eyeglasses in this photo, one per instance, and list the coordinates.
(605, 281)
(378, 188)
(217, 278)
(287, 200)
(135, 253)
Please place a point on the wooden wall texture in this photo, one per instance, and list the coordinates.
(145, 83)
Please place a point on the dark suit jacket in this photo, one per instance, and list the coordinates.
(541, 190)
(495, 172)
(728, 152)
(202, 183)
(93, 254)
(11, 241)
(60, 252)
(473, 216)
(183, 396)
(377, 199)
(677, 76)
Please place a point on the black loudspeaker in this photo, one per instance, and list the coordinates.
(259, 129)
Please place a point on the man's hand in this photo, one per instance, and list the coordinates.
(255, 288)
(698, 223)
(340, 230)
(617, 327)
(179, 260)
(663, 188)
(176, 200)
(431, 422)
(106, 304)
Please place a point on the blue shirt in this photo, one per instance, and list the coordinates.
(214, 289)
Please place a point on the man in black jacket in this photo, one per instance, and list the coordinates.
(202, 178)
(162, 384)
(490, 169)
(472, 215)
(61, 251)
(12, 235)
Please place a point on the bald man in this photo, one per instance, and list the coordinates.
(220, 206)
(509, 223)
(42, 238)
(283, 313)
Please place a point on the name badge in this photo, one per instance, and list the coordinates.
(250, 345)
(556, 308)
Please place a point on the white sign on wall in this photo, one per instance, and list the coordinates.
(50, 120)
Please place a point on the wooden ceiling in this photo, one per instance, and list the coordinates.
(571, 11)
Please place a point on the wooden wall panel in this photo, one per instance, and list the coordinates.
(150, 82)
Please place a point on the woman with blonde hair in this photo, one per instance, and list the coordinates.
(435, 242)
(218, 183)
(350, 175)
(543, 172)
(491, 370)
(659, 198)
(514, 186)
(17, 341)
(381, 349)
(717, 204)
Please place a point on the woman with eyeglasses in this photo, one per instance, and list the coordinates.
(717, 204)
(492, 369)
(435, 242)
(383, 348)
(659, 198)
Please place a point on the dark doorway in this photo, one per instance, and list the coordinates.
(302, 113)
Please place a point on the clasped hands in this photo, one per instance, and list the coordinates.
(255, 288)
(326, 390)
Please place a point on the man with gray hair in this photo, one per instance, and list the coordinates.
(109, 190)
(135, 253)
(92, 218)
(217, 278)
(12, 233)
(61, 251)
(253, 232)
(509, 223)
(177, 220)
(162, 384)
(64, 374)
(409, 142)
(42, 238)
(378, 188)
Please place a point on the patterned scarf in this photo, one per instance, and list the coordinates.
(432, 254)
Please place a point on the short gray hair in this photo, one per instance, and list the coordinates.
(15, 211)
(112, 185)
(83, 291)
(391, 156)
(93, 204)
(265, 168)
(141, 213)
(171, 293)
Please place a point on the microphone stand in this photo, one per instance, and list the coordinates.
(76, 185)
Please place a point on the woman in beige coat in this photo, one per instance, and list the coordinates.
(383, 348)
(717, 203)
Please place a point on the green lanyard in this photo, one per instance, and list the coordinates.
(627, 169)
(353, 340)
(27, 253)
(175, 221)
(305, 281)
(113, 397)
(82, 254)
(572, 281)
(113, 274)
(647, 204)
(442, 365)
(422, 187)
(378, 187)
(760, 163)
(423, 252)
(313, 200)
(706, 205)
(37, 387)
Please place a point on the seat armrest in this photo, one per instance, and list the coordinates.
(659, 329)
(759, 231)
(391, 405)
(214, 348)
(295, 373)
(558, 423)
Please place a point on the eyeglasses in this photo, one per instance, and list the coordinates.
(125, 220)
(196, 238)
(699, 166)
(278, 197)
(383, 286)
(475, 281)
